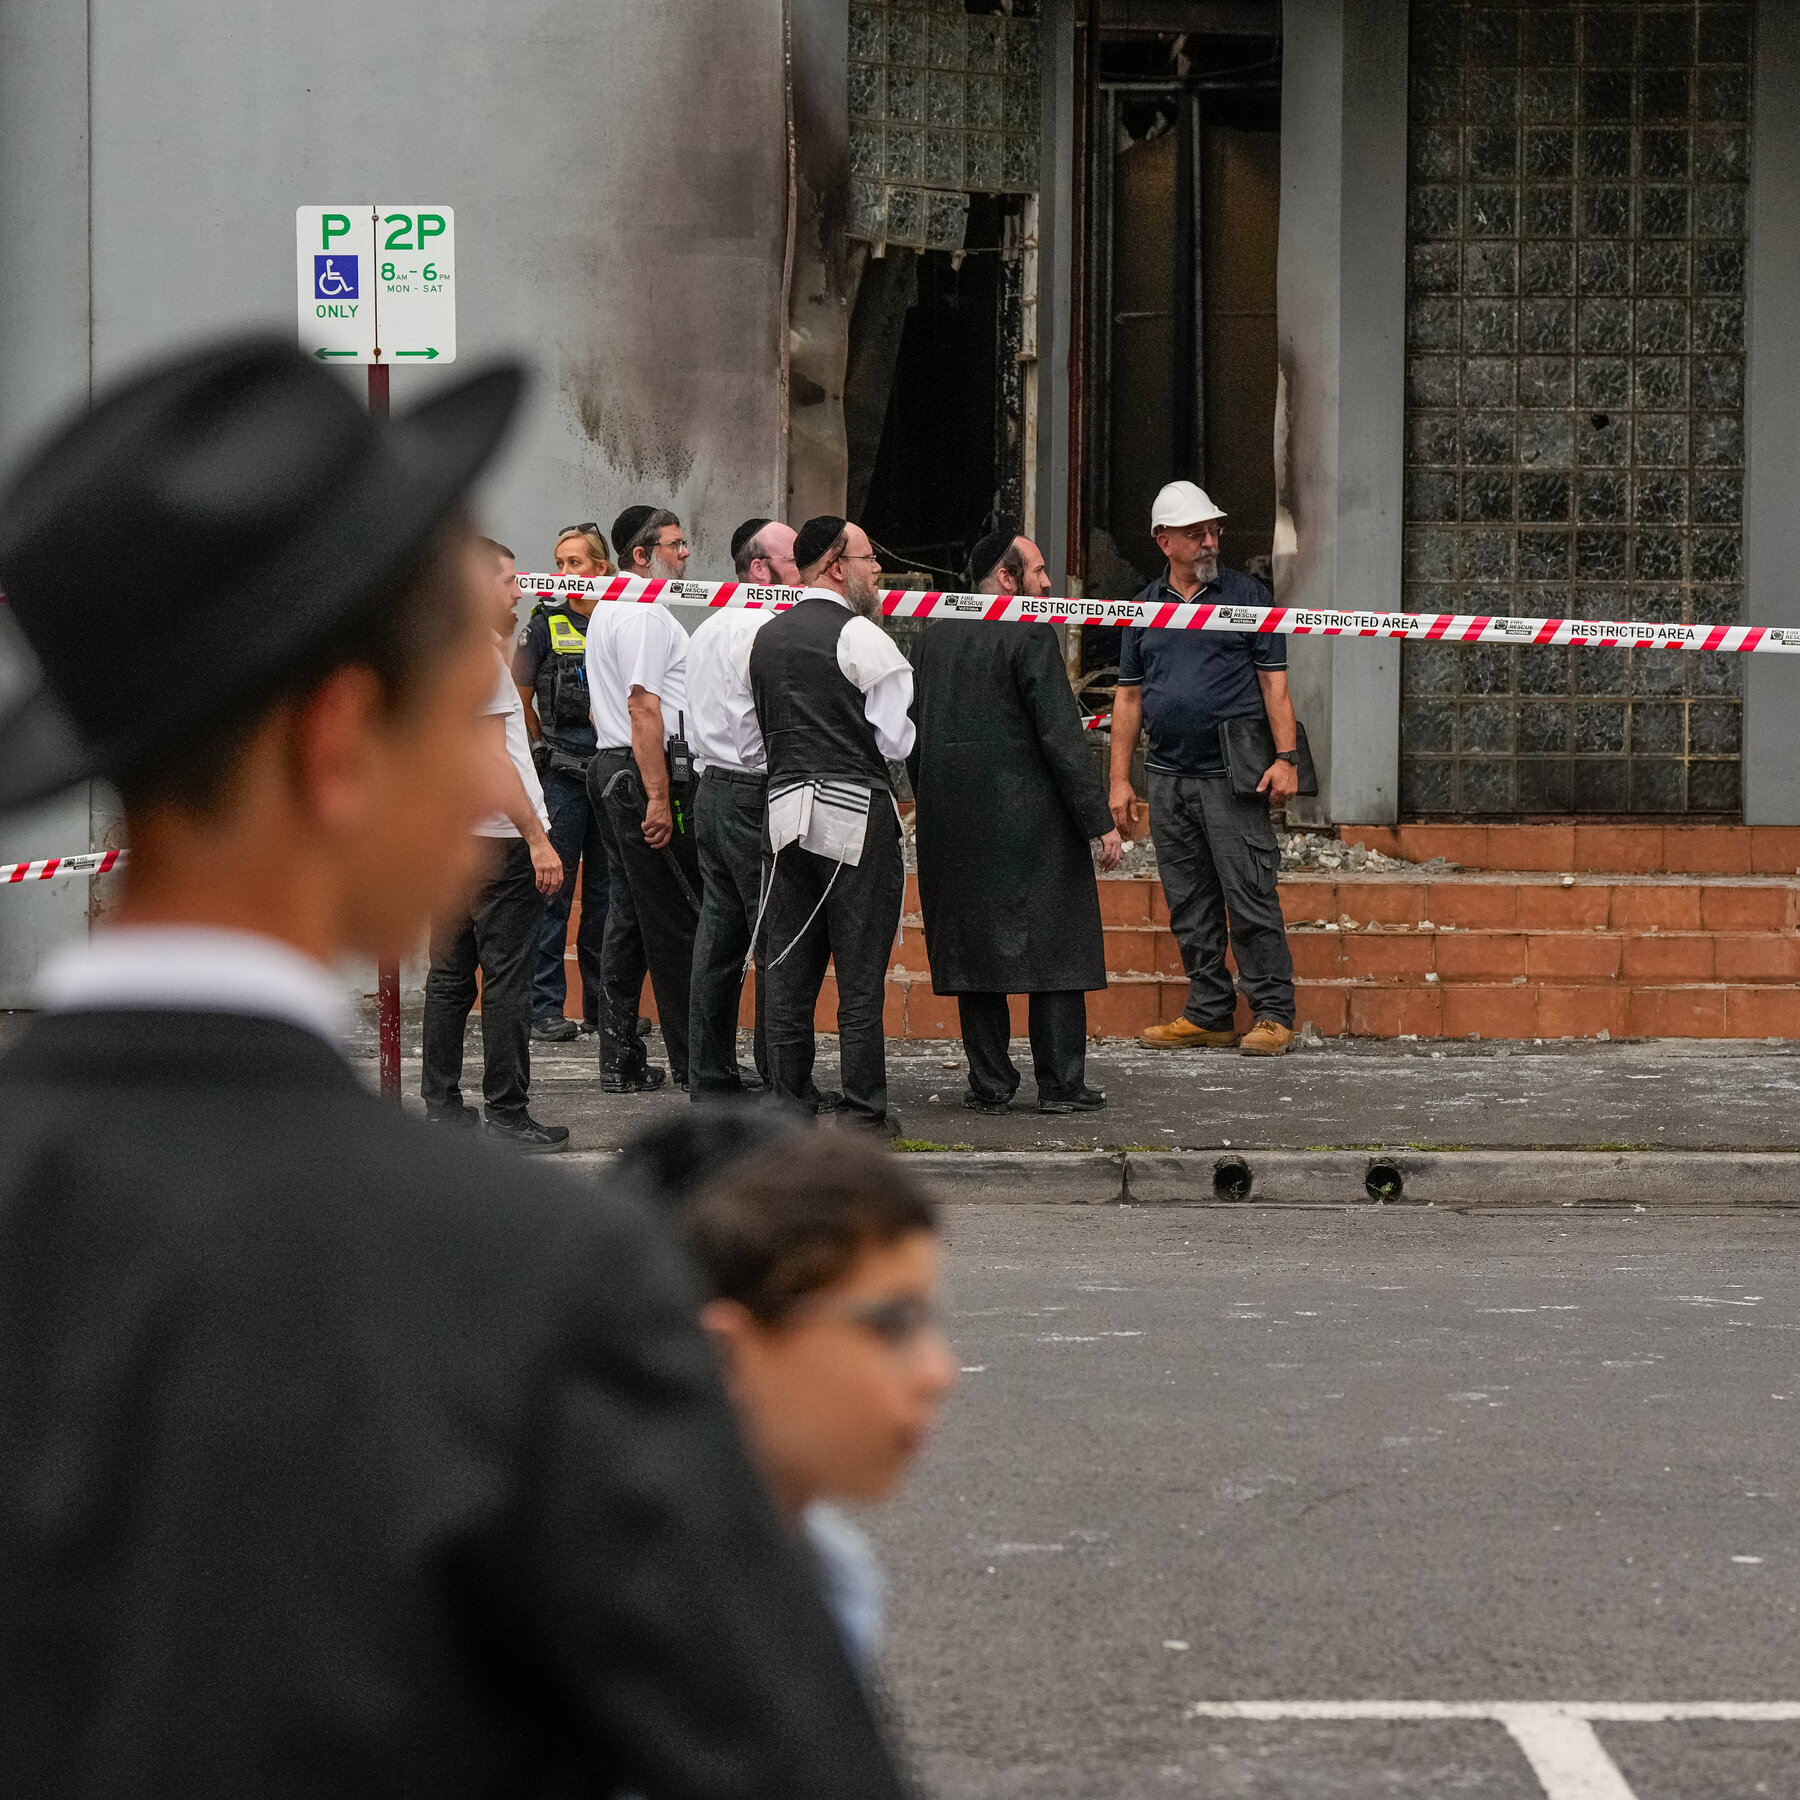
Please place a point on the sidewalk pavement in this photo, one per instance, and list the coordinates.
(1358, 1094)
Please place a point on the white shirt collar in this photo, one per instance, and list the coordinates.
(194, 968)
(819, 593)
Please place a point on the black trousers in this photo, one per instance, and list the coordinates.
(575, 837)
(498, 936)
(1058, 1023)
(729, 830)
(1218, 859)
(854, 931)
(649, 925)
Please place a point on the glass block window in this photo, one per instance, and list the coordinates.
(943, 104)
(1577, 189)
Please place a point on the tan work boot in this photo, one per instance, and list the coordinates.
(1184, 1034)
(1266, 1038)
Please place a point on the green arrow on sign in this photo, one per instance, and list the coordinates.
(430, 355)
(322, 354)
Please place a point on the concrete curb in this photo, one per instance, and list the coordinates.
(1713, 1179)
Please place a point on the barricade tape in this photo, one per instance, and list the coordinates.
(1449, 628)
(96, 862)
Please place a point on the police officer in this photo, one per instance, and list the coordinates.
(550, 668)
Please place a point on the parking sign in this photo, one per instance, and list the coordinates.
(334, 247)
(377, 282)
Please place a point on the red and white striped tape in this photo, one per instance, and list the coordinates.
(97, 862)
(1450, 628)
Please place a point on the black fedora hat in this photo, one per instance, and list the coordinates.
(256, 508)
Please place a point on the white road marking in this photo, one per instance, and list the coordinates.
(1567, 1758)
(1556, 1736)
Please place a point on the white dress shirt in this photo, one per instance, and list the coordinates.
(722, 725)
(194, 968)
(507, 703)
(631, 645)
(872, 662)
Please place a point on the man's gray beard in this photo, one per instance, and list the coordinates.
(1206, 566)
(663, 571)
(864, 596)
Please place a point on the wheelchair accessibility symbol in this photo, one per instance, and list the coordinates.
(334, 277)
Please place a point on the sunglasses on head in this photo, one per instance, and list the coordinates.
(571, 530)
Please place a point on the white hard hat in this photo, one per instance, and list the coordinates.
(1182, 503)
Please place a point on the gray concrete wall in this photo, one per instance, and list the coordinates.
(619, 174)
(43, 372)
(1772, 421)
(1341, 294)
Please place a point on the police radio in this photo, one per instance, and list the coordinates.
(681, 771)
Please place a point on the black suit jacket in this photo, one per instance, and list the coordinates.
(337, 1457)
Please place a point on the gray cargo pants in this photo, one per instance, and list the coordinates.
(1217, 857)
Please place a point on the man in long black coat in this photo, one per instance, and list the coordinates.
(1009, 796)
(340, 1455)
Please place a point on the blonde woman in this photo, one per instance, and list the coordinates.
(550, 667)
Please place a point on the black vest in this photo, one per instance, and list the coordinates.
(811, 714)
(561, 688)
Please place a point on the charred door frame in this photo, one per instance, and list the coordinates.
(1188, 450)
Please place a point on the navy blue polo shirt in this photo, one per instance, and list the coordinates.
(1193, 681)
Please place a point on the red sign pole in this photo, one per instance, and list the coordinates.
(387, 986)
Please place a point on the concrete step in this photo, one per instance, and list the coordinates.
(1506, 901)
(1639, 849)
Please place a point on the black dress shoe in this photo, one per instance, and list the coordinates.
(1084, 1099)
(992, 1108)
(526, 1133)
(632, 1081)
(824, 1100)
(553, 1031)
(453, 1118)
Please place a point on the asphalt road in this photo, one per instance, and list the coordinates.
(1217, 1456)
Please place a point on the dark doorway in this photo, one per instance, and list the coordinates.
(943, 460)
(1180, 359)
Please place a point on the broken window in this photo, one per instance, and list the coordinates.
(939, 388)
(944, 103)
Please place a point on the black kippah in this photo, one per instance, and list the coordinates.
(984, 559)
(744, 533)
(627, 525)
(815, 537)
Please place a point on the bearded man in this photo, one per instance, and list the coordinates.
(1216, 851)
(833, 694)
(1010, 795)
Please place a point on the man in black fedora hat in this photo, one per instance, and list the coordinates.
(337, 1455)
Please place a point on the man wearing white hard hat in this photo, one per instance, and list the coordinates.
(1215, 847)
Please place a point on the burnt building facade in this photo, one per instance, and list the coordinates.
(1489, 306)
(1456, 306)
